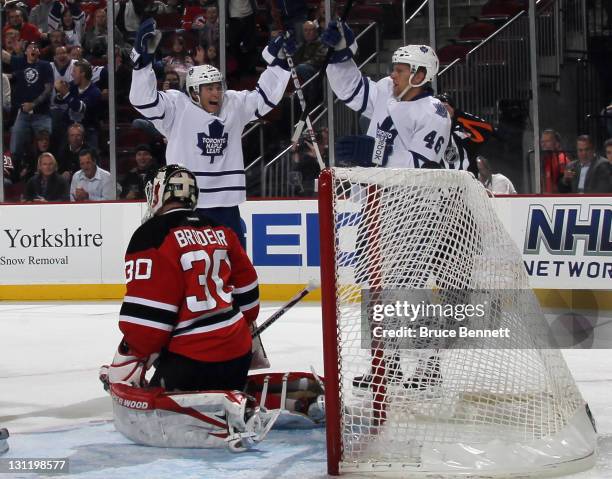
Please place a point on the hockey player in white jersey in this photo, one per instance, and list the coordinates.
(409, 128)
(204, 126)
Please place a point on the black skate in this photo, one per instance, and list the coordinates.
(426, 376)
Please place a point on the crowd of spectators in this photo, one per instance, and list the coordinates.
(55, 92)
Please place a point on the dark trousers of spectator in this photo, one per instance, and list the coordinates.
(91, 137)
(21, 133)
(242, 32)
(228, 216)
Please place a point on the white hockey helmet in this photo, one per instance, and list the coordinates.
(171, 182)
(201, 75)
(418, 56)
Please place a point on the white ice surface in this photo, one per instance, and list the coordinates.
(54, 406)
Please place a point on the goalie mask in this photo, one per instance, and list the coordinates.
(417, 56)
(171, 183)
(205, 75)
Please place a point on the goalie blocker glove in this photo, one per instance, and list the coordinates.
(278, 48)
(145, 45)
(341, 39)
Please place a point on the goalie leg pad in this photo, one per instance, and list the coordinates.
(199, 419)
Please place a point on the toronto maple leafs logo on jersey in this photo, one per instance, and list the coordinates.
(215, 142)
(383, 143)
(30, 75)
(441, 109)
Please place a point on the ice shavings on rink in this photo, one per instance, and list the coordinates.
(54, 406)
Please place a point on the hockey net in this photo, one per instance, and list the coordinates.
(443, 406)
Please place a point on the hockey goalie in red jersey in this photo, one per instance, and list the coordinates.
(192, 298)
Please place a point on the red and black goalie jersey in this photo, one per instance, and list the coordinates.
(190, 288)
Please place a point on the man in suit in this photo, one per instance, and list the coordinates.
(590, 173)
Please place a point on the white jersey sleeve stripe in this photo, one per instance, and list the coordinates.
(146, 322)
(246, 288)
(357, 90)
(148, 105)
(149, 302)
(264, 97)
(366, 95)
(246, 307)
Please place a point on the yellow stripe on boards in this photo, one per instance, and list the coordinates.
(64, 292)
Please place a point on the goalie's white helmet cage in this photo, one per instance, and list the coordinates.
(490, 411)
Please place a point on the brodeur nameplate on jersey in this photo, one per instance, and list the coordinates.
(186, 305)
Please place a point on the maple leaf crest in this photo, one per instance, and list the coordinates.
(214, 143)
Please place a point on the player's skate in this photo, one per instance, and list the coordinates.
(3, 441)
(427, 376)
(392, 376)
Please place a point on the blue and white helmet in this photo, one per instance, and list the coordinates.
(201, 75)
(418, 56)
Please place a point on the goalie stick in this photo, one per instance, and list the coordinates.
(305, 115)
(284, 308)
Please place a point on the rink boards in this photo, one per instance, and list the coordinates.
(56, 251)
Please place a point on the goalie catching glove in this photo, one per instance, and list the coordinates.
(127, 368)
(341, 39)
(145, 45)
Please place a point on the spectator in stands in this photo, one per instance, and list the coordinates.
(132, 187)
(57, 38)
(212, 56)
(76, 52)
(69, 155)
(12, 42)
(39, 16)
(179, 60)
(90, 183)
(6, 93)
(15, 20)
(33, 80)
(83, 100)
(94, 39)
(608, 150)
(62, 67)
(494, 182)
(9, 169)
(590, 173)
(242, 33)
(318, 16)
(309, 58)
(305, 167)
(29, 165)
(553, 161)
(209, 32)
(289, 15)
(47, 184)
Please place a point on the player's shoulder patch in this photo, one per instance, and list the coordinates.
(440, 109)
(153, 232)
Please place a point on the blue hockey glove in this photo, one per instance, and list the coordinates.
(277, 49)
(147, 39)
(341, 39)
(354, 150)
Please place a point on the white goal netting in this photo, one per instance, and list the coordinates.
(480, 401)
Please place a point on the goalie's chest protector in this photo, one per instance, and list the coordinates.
(211, 147)
(418, 129)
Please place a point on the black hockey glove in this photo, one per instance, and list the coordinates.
(147, 39)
